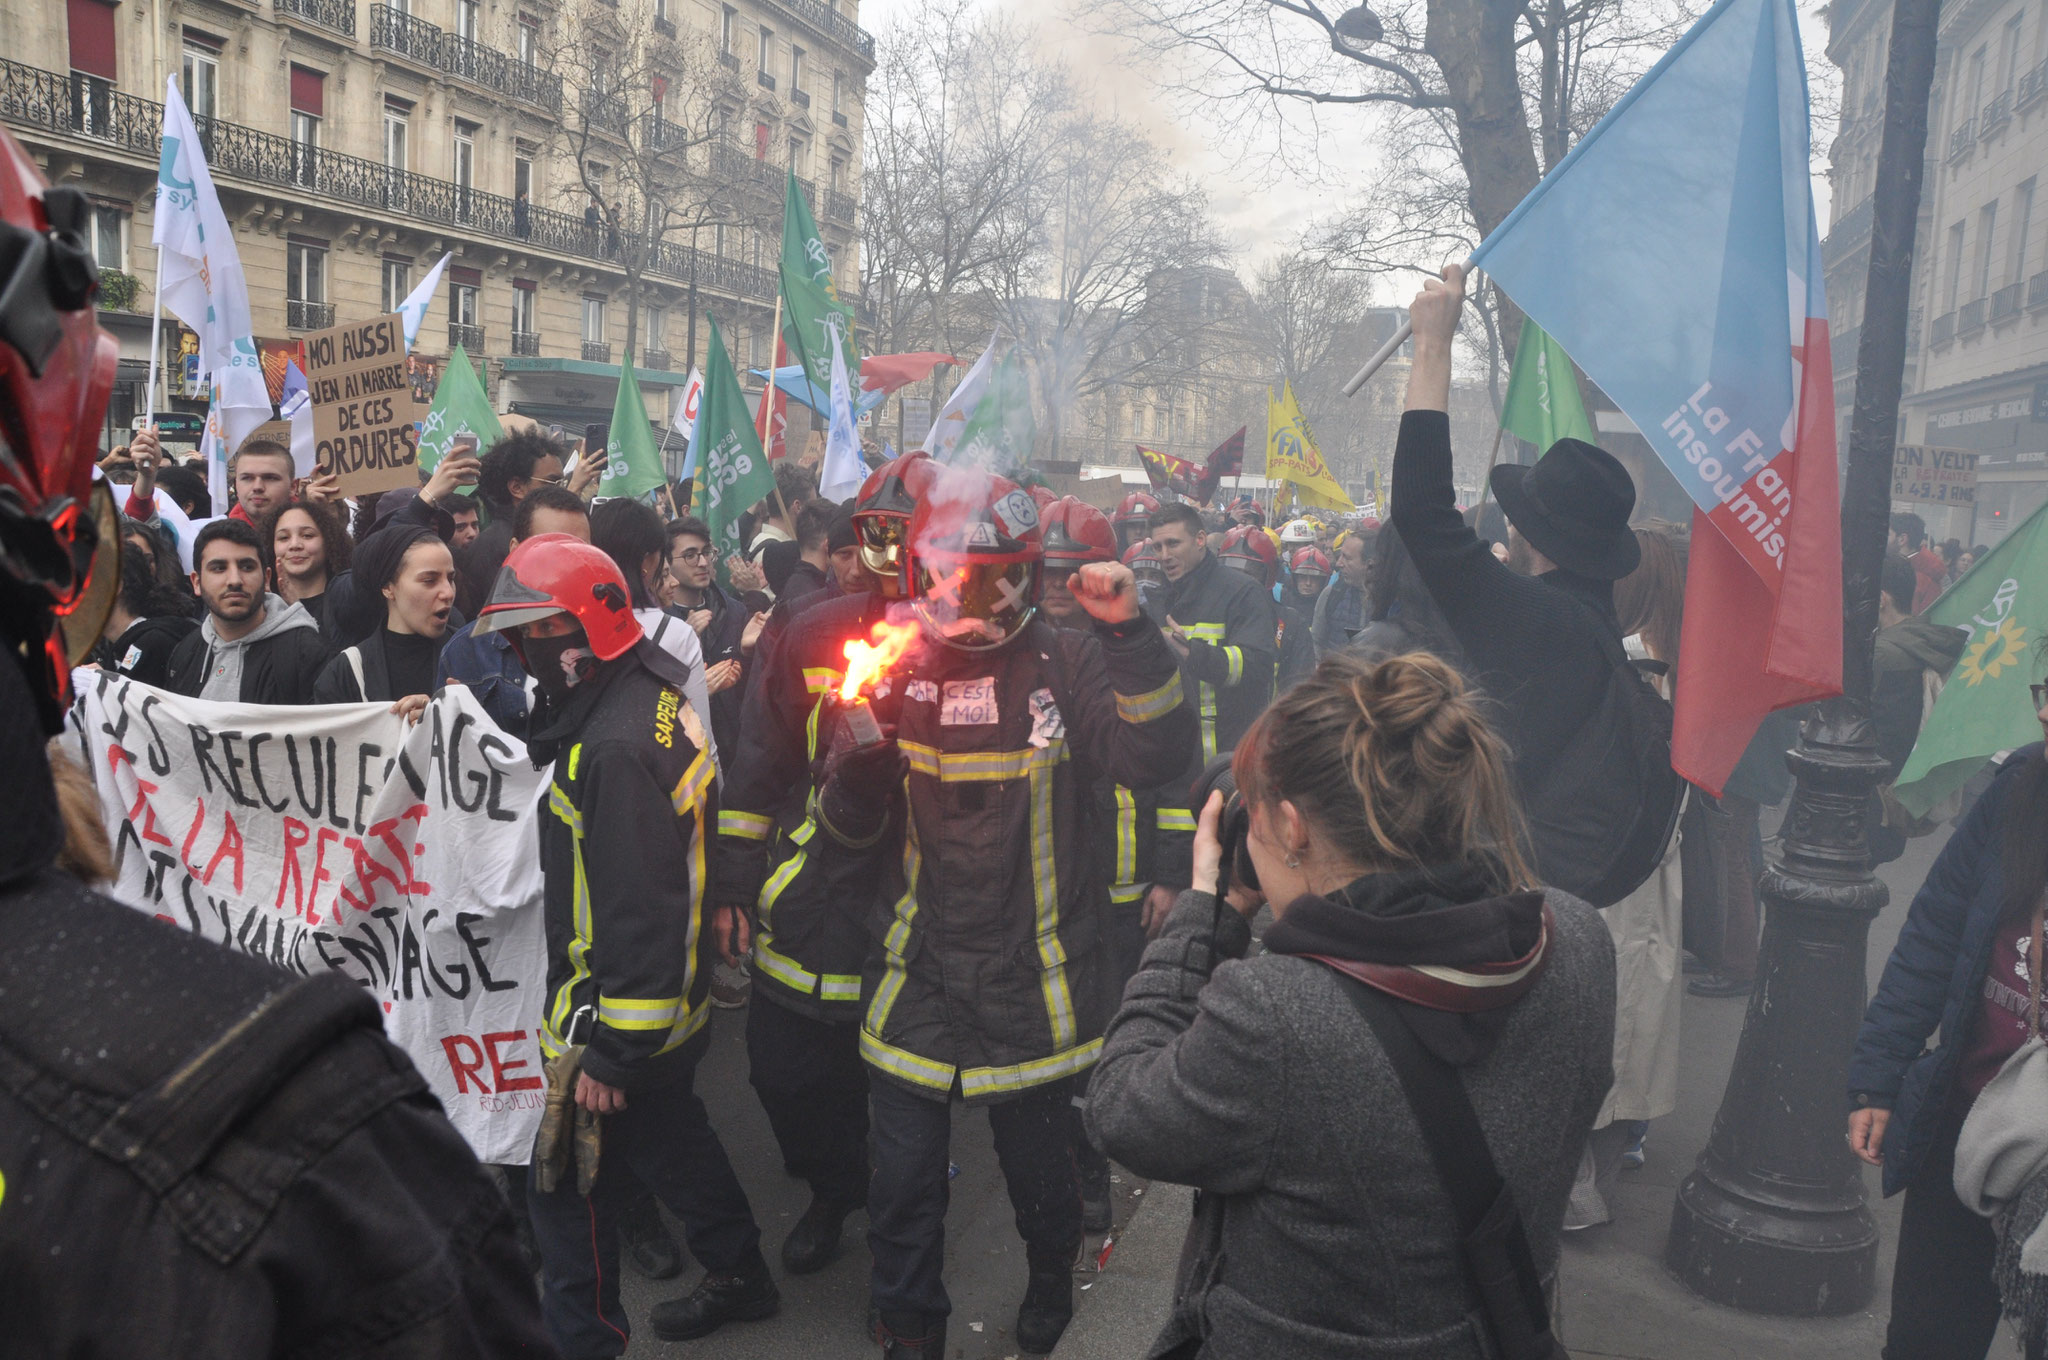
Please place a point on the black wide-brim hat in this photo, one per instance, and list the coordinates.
(1573, 507)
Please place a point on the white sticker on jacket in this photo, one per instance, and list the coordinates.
(922, 692)
(130, 657)
(1047, 724)
(968, 703)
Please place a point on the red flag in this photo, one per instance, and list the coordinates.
(1741, 654)
(1171, 476)
(885, 373)
(1225, 460)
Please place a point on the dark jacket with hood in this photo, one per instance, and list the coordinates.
(206, 1155)
(280, 660)
(144, 649)
(721, 642)
(1323, 1228)
(1904, 653)
(395, 665)
(352, 612)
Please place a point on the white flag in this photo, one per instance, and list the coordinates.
(842, 472)
(685, 423)
(297, 407)
(199, 279)
(413, 311)
(946, 428)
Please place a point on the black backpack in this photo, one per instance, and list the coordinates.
(1602, 816)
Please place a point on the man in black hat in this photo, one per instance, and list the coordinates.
(1534, 642)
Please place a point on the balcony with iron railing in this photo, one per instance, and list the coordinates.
(471, 338)
(2007, 302)
(300, 315)
(117, 123)
(1970, 317)
(665, 27)
(658, 134)
(1996, 115)
(831, 23)
(1848, 231)
(2037, 290)
(337, 15)
(657, 359)
(729, 60)
(597, 351)
(801, 98)
(605, 112)
(2032, 86)
(1963, 140)
(764, 80)
(393, 30)
(1944, 330)
(839, 206)
(526, 343)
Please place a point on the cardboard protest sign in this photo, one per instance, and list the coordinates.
(363, 408)
(340, 837)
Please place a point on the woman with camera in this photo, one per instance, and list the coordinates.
(1412, 966)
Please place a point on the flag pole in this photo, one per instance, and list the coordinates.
(1399, 338)
(767, 401)
(156, 340)
(1486, 485)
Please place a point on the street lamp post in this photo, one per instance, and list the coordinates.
(1773, 1219)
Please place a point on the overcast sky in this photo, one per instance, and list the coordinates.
(1262, 209)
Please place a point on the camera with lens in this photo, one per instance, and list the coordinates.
(1232, 828)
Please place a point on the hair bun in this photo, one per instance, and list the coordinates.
(1404, 694)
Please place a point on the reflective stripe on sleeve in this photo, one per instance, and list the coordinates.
(1143, 708)
(753, 826)
(1176, 819)
(635, 1013)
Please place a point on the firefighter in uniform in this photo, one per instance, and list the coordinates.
(808, 896)
(624, 832)
(986, 984)
(1132, 519)
(1222, 624)
(1308, 573)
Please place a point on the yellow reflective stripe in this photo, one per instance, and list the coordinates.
(907, 1065)
(839, 987)
(1052, 956)
(684, 1028)
(560, 804)
(811, 730)
(1235, 656)
(818, 679)
(963, 766)
(1176, 819)
(782, 968)
(689, 790)
(983, 1081)
(764, 905)
(575, 758)
(1126, 835)
(579, 916)
(753, 826)
(898, 935)
(1206, 692)
(632, 1013)
(1126, 892)
(1157, 703)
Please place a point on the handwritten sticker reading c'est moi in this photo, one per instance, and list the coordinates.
(968, 703)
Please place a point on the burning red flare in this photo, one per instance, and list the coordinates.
(866, 661)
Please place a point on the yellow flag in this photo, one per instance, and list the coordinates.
(1291, 454)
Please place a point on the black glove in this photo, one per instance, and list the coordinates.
(859, 788)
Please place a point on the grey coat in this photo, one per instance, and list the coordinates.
(1267, 1091)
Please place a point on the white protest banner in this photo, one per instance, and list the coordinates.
(339, 837)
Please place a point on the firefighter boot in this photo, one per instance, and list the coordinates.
(1047, 1309)
(911, 1336)
(814, 1241)
(650, 1248)
(747, 1294)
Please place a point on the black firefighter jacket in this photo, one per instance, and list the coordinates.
(809, 895)
(1231, 626)
(624, 834)
(988, 978)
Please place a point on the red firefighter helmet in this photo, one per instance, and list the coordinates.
(1145, 563)
(975, 554)
(559, 574)
(1248, 549)
(882, 511)
(59, 539)
(1309, 562)
(1043, 497)
(1132, 519)
(1075, 531)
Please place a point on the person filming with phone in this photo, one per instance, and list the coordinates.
(1383, 1110)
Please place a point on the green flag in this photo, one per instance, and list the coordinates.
(632, 465)
(460, 407)
(999, 433)
(811, 310)
(1542, 404)
(1985, 707)
(732, 472)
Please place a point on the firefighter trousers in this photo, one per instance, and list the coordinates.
(907, 1199)
(814, 1087)
(663, 1139)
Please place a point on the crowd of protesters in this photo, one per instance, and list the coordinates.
(1290, 912)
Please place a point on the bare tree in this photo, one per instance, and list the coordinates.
(646, 119)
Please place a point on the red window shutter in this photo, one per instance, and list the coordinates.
(463, 274)
(661, 87)
(92, 37)
(760, 137)
(308, 90)
(526, 285)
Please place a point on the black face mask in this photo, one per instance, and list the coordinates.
(559, 664)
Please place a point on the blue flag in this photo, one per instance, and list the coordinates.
(1674, 254)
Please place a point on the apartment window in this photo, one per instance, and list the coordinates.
(838, 91)
(202, 76)
(657, 328)
(1955, 267)
(796, 68)
(109, 238)
(305, 272)
(2009, 59)
(1987, 218)
(2022, 227)
(760, 141)
(661, 99)
(765, 49)
(529, 40)
(462, 303)
(525, 306)
(661, 13)
(593, 319)
(397, 125)
(397, 283)
(1976, 84)
(465, 155)
(796, 158)
(468, 19)
(718, 240)
(726, 21)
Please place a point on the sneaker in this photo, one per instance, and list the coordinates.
(730, 986)
(1047, 1309)
(744, 1295)
(1632, 1156)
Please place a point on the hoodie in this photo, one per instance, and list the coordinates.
(1904, 654)
(276, 662)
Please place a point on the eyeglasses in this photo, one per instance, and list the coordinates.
(695, 555)
(2040, 693)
